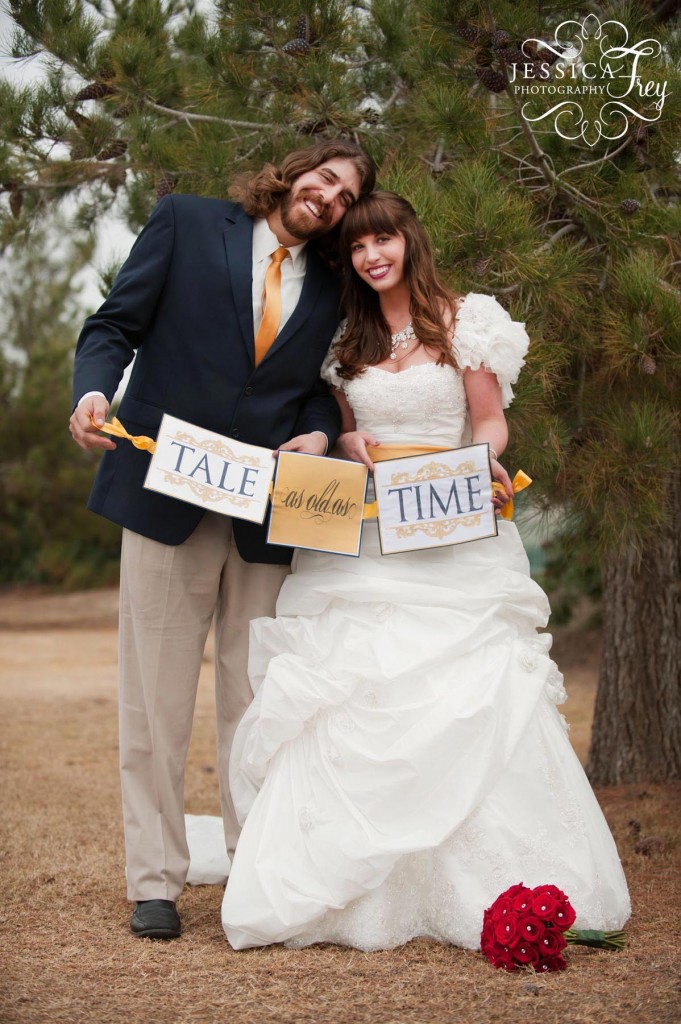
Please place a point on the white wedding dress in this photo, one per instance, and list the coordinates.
(403, 761)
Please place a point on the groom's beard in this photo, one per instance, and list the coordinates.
(300, 223)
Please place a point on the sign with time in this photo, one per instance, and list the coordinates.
(427, 501)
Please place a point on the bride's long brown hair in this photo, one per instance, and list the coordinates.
(366, 340)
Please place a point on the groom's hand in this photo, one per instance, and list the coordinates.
(315, 443)
(87, 418)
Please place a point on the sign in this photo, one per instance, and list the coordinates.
(318, 503)
(211, 471)
(428, 501)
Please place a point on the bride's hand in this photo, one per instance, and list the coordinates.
(500, 475)
(353, 446)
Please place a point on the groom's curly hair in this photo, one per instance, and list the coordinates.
(261, 193)
(366, 340)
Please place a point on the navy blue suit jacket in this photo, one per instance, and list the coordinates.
(183, 302)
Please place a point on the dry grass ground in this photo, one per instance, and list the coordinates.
(68, 954)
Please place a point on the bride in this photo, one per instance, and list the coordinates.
(403, 761)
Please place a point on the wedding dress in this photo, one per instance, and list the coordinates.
(403, 761)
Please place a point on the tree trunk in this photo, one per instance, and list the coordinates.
(636, 733)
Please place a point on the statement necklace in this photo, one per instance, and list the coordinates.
(402, 338)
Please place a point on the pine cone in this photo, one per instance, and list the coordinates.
(165, 185)
(481, 265)
(647, 365)
(125, 110)
(95, 91)
(501, 38)
(493, 80)
(512, 55)
(296, 48)
(469, 33)
(16, 201)
(629, 205)
(80, 120)
(115, 149)
(303, 28)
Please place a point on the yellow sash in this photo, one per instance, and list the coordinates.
(116, 428)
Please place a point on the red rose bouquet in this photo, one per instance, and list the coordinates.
(531, 927)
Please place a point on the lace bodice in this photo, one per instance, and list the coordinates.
(426, 404)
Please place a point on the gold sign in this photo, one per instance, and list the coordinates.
(318, 503)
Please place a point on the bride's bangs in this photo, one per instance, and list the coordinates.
(371, 215)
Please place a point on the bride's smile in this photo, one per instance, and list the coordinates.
(379, 260)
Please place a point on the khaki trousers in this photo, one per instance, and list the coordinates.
(169, 595)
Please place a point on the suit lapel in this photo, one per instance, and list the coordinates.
(312, 283)
(238, 239)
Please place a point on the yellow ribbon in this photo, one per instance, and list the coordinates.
(116, 428)
(520, 481)
(385, 452)
(377, 454)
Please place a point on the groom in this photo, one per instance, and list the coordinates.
(229, 310)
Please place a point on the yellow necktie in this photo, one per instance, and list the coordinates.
(271, 316)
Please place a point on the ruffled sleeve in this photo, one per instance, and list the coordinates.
(329, 370)
(486, 336)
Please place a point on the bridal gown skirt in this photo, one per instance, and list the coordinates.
(403, 761)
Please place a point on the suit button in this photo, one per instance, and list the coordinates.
(248, 391)
(235, 433)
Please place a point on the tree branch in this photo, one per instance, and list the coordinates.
(393, 98)
(560, 233)
(185, 115)
(593, 163)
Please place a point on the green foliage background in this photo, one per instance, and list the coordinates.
(146, 97)
(46, 533)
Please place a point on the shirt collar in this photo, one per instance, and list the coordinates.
(265, 242)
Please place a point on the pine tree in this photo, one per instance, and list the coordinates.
(149, 97)
(583, 243)
(580, 241)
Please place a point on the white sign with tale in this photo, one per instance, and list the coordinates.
(211, 471)
(428, 501)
